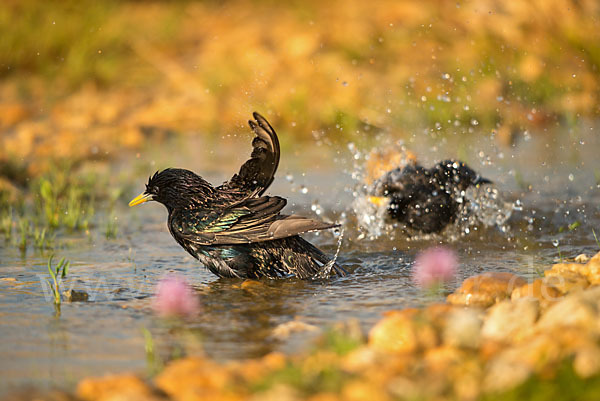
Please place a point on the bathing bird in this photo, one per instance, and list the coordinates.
(425, 200)
(234, 229)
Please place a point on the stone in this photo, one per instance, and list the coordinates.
(116, 388)
(505, 373)
(537, 289)
(439, 359)
(587, 361)
(485, 289)
(12, 113)
(582, 258)
(360, 390)
(572, 282)
(395, 333)
(593, 269)
(359, 360)
(284, 330)
(463, 328)
(509, 321)
(75, 296)
(192, 378)
(573, 310)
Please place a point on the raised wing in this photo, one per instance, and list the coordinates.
(253, 220)
(257, 173)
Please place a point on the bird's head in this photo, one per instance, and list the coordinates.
(457, 173)
(175, 188)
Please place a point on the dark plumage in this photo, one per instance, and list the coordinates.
(233, 229)
(426, 199)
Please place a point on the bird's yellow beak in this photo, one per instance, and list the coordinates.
(378, 200)
(141, 198)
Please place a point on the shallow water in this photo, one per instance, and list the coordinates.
(105, 334)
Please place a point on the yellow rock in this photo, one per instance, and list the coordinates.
(593, 269)
(358, 390)
(566, 268)
(116, 388)
(284, 330)
(192, 378)
(486, 289)
(509, 321)
(12, 113)
(539, 290)
(394, 333)
(587, 361)
(567, 283)
(573, 310)
(359, 360)
(439, 359)
(463, 328)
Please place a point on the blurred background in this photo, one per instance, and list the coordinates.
(84, 80)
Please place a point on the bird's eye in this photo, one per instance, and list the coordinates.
(155, 190)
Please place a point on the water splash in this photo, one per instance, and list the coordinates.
(483, 205)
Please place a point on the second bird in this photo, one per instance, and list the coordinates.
(426, 200)
(233, 229)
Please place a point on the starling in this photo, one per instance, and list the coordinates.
(425, 200)
(233, 229)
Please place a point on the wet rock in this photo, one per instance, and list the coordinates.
(284, 330)
(510, 321)
(192, 378)
(593, 269)
(279, 392)
(567, 269)
(463, 328)
(395, 333)
(505, 373)
(255, 369)
(359, 359)
(361, 390)
(567, 283)
(539, 290)
(439, 359)
(116, 388)
(579, 309)
(12, 113)
(75, 296)
(587, 361)
(486, 289)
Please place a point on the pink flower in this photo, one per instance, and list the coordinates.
(434, 266)
(174, 297)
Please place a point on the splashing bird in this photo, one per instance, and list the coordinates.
(425, 200)
(233, 229)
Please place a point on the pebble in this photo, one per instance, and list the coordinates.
(284, 330)
(115, 388)
(538, 289)
(463, 328)
(485, 289)
(510, 321)
(395, 333)
(75, 296)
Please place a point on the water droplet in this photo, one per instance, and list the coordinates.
(303, 189)
(571, 177)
